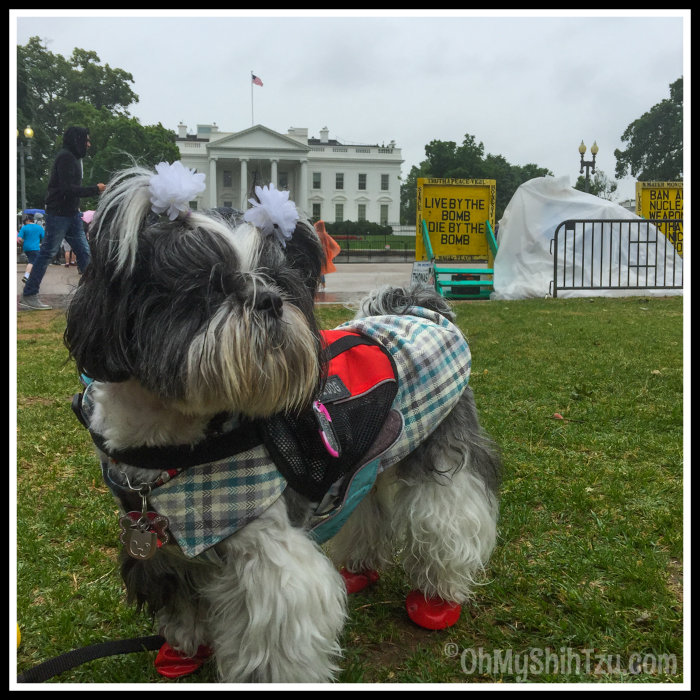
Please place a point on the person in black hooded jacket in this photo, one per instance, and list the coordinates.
(63, 219)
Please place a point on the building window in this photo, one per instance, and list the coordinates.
(339, 181)
(362, 182)
(228, 179)
(385, 182)
(283, 181)
(316, 211)
(316, 181)
(338, 212)
(362, 212)
(384, 213)
(193, 205)
(228, 204)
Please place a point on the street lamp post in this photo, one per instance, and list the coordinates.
(588, 163)
(29, 134)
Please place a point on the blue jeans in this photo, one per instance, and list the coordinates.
(32, 255)
(58, 228)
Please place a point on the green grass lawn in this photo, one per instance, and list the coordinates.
(590, 546)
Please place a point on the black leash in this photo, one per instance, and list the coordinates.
(65, 662)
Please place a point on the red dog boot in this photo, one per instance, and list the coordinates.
(354, 583)
(432, 613)
(173, 664)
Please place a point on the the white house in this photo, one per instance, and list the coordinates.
(629, 204)
(326, 179)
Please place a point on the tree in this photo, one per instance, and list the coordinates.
(446, 159)
(655, 141)
(409, 188)
(600, 186)
(98, 85)
(47, 82)
(54, 92)
(41, 76)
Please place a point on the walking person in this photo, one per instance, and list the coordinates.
(69, 254)
(331, 249)
(30, 236)
(63, 219)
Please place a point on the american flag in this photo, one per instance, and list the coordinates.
(257, 81)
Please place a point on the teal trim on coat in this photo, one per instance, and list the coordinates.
(360, 486)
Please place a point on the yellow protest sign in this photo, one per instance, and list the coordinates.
(455, 212)
(663, 200)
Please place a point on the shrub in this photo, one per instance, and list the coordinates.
(357, 228)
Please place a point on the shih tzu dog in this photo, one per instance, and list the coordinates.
(237, 437)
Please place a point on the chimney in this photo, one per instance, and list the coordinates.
(182, 129)
(299, 134)
(324, 135)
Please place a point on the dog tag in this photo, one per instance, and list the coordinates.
(142, 533)
(136, 544)
(325, 425)
(139, 544)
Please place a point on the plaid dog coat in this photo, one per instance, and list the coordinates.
(208, 502)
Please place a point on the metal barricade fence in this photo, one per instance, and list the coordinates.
(385, 249)
(593, 254)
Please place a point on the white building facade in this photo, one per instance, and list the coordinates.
(326, 179)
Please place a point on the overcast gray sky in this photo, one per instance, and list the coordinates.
(531, 88)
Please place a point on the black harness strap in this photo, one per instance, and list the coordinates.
(77, 406)
(65, 662)
(345, 343)
(211, 449)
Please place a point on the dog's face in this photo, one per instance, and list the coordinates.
(206, 315)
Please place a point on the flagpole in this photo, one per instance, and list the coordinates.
(252, 118)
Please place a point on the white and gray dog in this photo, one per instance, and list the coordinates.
(230, 436)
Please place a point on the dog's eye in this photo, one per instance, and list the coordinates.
(275, 225)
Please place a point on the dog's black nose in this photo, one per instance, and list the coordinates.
(270, 302)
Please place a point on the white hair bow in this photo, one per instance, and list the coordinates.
(173, 187)
(274, 213)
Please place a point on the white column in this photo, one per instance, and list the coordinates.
(303, 203)
(244, 184)
(273, 168)
(212, 182)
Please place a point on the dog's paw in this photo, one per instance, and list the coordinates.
(185, 633)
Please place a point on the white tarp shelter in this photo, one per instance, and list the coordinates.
(524, 266)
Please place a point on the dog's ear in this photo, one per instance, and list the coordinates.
(99, 327)
(305, 254)
(121, 216)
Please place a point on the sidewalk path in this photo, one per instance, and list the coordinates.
(349, 284)
(58, 284)
(353, 280)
